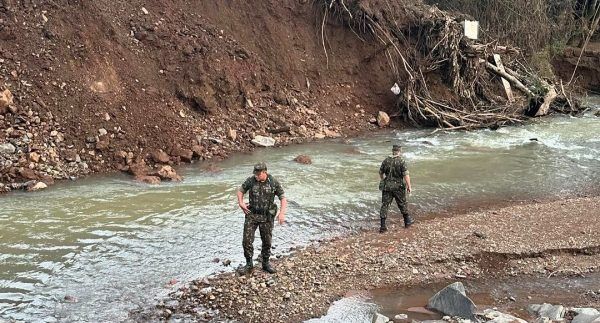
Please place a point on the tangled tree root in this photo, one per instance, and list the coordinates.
(420, 40)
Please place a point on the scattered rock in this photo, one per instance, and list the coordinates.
(6, 100)
(34, 157)
(185, 154)
(319, 136)
(168, 173)
(226, 262)
(232, 134)
(400, 317)
(153, 180)
(28, 174)
(597, 114)
(332, 134)
(159, 156)
(480, 235)
(379, 318)
(197, 150)
(453, 301)
(494, 316)
(383, 119)
(553, 312)
(103, 144)
(36, 187)
(70, 299)
(263, 141)
(7, 148)
(139, 168)
(71, 155)
(303, 159)
(280, 98)
(102, 132)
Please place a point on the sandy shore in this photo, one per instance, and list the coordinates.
(529, 238)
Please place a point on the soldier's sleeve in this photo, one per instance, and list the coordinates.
(278, 189)
(403, 168)
(246, 186)
(382, 169)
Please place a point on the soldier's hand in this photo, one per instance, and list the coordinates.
(244, 208)
(281, 218)
(408, 190)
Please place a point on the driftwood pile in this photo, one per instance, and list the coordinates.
(422, 43)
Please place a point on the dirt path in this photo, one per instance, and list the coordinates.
(549, 238)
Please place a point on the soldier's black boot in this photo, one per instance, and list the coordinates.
(408, 221)
(266, 266)
(249, 266)
(383, 227)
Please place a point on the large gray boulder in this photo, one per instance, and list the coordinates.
(453, 301)
(553, 312)
(586, 318)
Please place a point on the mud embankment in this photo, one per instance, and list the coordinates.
(173, 82)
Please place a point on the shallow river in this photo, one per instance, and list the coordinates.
(112, 245)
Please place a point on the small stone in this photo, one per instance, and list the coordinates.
(152, 180)
(53, 133)
(263, 141)
(401, 317)
(34, 157)
(159, 156)
(303, 159)
(7, 148)
(168, 173)
(106, 117)
(287, 296)
(145, 11)
(102, 132)
(380, 318)
(232, 134)
(383, 119)
(6, 100)
(36, 187)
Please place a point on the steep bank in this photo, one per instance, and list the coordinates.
(132, 86)
(524, 239)
(99, 85)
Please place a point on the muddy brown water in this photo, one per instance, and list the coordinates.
(95, 249)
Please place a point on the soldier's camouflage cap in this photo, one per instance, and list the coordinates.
(260, 167)
(396, 147)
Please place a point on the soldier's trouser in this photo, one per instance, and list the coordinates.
(386, 199)
(266, 236)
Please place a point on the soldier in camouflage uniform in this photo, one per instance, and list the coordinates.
(395, 183)
(260, 213)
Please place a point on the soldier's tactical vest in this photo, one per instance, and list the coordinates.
(262, 197)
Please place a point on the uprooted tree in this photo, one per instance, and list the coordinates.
(424, 44)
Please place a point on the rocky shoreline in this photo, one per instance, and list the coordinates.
(36, 149)
(549, 238)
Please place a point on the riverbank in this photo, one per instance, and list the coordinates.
(529, 238)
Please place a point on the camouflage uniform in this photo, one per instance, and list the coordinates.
(394, 187)
(262, 196)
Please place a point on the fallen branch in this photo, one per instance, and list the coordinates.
(513, 80)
